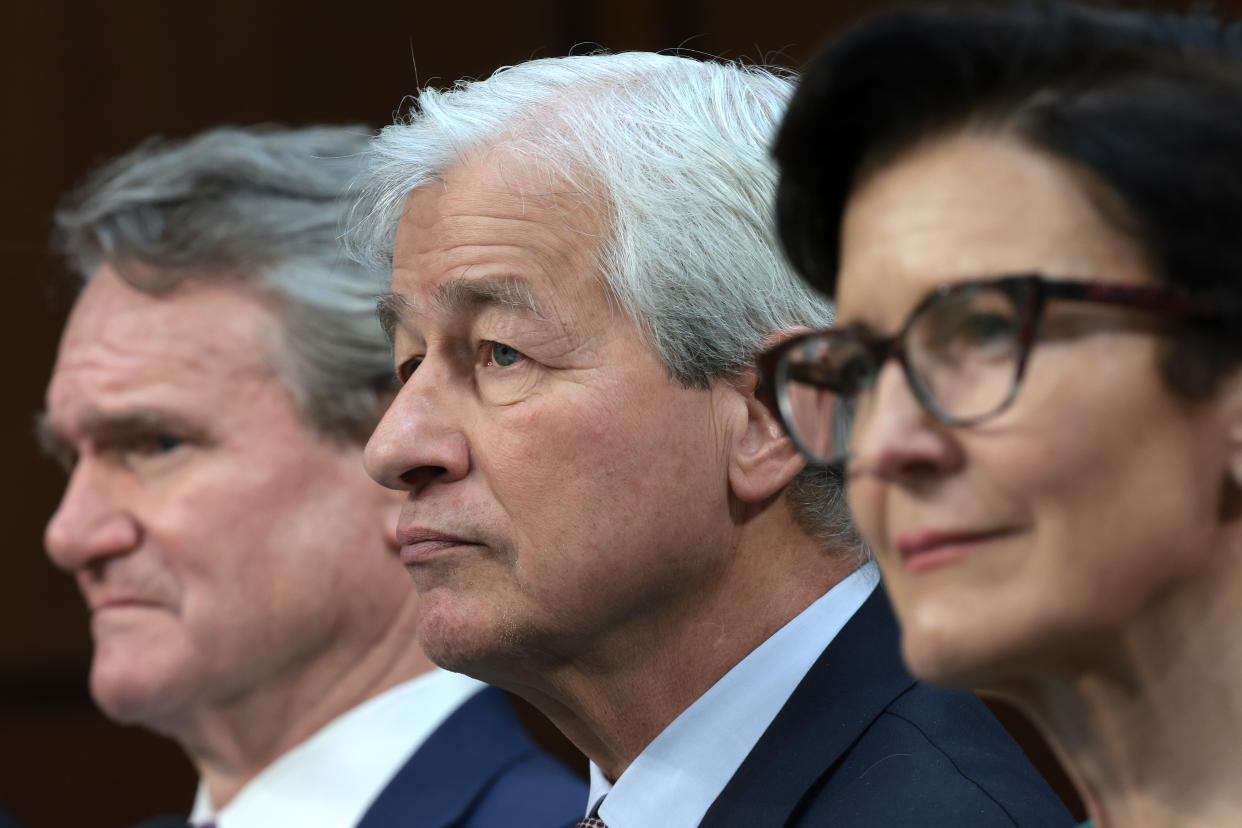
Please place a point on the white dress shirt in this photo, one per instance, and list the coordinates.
(678, 776)
(329, 780)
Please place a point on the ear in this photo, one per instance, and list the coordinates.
(764, 460)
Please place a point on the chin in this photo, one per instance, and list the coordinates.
(480, 640)
(945, 662)
(458, 638)
(957, 649)
(985, 653)
(129, 701)
(133, 692)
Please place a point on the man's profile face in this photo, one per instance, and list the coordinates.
(562, 489)
(221, 545)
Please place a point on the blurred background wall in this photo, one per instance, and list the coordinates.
(81, 81)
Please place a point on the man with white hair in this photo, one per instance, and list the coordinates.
(215, 381)
(600, 513)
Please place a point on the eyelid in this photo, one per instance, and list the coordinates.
(139, 442)
(129, 450)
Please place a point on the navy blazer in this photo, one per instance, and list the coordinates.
(479, 769)
(862, 744)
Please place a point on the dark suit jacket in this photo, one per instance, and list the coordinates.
(862, 744)
(479, 769)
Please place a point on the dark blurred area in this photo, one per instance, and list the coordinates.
(84, 81)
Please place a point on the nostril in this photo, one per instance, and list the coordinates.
(913, 471)
(422, 475)
(95, 569)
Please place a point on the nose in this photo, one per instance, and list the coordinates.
(90, 526)
(420, 439)
(896, 439)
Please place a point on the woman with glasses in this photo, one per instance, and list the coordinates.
(1031, 221)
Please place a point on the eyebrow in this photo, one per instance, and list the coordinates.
(109, 427)
(461, 296)
(389, 308)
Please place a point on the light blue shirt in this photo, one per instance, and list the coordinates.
(678, 776)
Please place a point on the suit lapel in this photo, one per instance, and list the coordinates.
(439, 784)
(857, 677)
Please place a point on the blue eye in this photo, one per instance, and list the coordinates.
(503, 356)
(990, 327)
(140, 449)
(164, 443)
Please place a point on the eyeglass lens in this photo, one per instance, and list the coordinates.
(962, 352)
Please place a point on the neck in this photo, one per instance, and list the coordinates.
(613, 701)
(1151, 726)
(232, 743)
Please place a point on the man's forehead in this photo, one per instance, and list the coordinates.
(123, 346)
(498, 185)
(493, 233)
(192, 317)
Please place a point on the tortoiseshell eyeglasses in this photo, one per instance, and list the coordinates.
(963, 349)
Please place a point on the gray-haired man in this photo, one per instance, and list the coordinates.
(214, 382)
(600, 513)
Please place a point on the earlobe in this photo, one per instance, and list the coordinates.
(764, 460)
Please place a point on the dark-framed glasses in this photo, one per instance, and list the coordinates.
(963, 349)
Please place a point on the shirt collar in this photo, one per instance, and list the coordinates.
(331, 779)
(678, 776)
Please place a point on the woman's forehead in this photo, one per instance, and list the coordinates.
(971, 206)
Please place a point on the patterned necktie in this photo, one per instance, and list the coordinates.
(591, 822)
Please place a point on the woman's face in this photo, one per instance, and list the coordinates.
(1026, 542)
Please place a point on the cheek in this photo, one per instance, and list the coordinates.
(1074, 449)
(256, 535)
(581, 476)
(621, 437)
(547, 440)
(1117, 475)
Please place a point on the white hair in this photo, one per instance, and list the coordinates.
(674, 151)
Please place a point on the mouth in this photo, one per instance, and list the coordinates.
(422, 546)
(925, 549)
(110, 603)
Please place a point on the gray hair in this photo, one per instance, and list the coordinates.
(260, 207)
(675, 152)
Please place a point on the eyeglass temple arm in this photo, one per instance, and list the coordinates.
(1168, 301)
